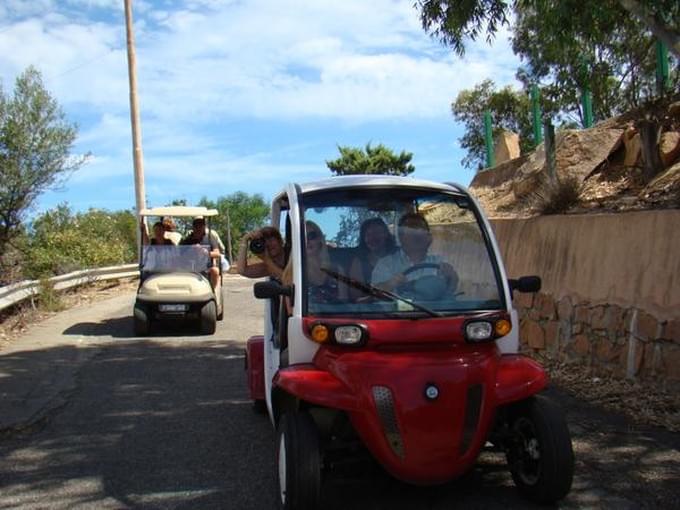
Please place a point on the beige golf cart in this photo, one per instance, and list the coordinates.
(174, 279)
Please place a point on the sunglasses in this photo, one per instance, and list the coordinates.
(312, 235)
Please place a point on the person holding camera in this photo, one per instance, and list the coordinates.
(265, 243)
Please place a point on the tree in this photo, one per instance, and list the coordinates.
(35, 142)
(613, 56)
(510, 110)
(245, 213)
(372, 160)
(60, 241)
(454, 21)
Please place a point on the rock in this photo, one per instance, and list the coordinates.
(631, 140)
(669, 147)
(507, 147)
(581, 345)
(533, 334)
(579, 152)
(647, 326)
(667, 180)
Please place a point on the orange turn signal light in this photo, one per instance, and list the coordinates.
(503, 327)
(320, 333)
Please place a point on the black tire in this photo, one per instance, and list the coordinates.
(299, 462)
(540, 455)
(208, 318)
(141, 323)
(260, 406)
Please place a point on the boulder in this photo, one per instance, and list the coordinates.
(507, 147)
(669, 147)
(631, 140)
(579, 152)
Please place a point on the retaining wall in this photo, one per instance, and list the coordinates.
(611, 289)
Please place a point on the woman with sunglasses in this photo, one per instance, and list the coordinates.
(322, 287)
(272, 257)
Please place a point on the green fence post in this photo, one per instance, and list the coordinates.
(488, 137)
(663, 81)
(536, 113)
(586, 95)
(587, 102)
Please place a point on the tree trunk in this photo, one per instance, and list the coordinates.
(650, 134)
(666, 34)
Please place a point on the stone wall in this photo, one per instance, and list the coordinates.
(611, 290)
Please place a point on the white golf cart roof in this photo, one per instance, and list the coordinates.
(179, 210)
(349, 181)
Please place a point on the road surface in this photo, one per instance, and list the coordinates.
(92, 417)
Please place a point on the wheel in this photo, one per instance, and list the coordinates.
(540, 455)
(208, 318)
(260, 406)
(299, 462)
(141, 321)
(220, 314)
(430, 287)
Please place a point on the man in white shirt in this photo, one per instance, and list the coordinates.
(415, 239)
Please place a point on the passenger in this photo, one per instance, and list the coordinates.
(171, 231)
(415, 238)
(202, 236)
(158, 234)
(322, 286)
(375, 242)
(272, 254)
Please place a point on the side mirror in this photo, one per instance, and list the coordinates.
(271, 289)
(525, 284)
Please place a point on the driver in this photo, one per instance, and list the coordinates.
(200, 235)
(415, 239)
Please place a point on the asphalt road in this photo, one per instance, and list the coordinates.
(165, 422)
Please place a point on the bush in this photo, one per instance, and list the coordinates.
(558, 195)
(48, 298)
(60, 242)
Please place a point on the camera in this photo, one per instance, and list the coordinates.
(257, 245)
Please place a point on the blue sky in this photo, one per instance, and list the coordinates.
(242, 95)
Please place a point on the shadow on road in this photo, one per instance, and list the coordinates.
(122, 327)
(169, 425)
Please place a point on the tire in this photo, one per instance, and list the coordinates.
(141, 323)
(540, 455)
(260, 406)
(299, 462)
(208, 318)
(220, 315)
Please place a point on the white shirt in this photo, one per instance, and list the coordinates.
(398, 262)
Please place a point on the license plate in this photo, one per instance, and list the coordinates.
(172, 308)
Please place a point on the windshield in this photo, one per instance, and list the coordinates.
(396, 252)
(171, 258)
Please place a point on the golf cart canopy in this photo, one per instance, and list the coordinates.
(179, 211)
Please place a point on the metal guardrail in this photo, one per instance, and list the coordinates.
(17, 292)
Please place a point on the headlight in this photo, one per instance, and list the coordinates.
(478, 331)
(348, 335)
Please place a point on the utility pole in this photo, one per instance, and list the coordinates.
(134, 115)
(229, 237)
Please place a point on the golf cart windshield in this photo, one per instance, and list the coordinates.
(398, 252)
(171, 259)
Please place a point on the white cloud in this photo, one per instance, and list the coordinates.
(349, 60)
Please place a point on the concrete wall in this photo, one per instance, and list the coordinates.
(611, 289)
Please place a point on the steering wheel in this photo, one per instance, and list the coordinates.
(430, 287)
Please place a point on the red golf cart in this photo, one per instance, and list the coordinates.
(405, 346)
